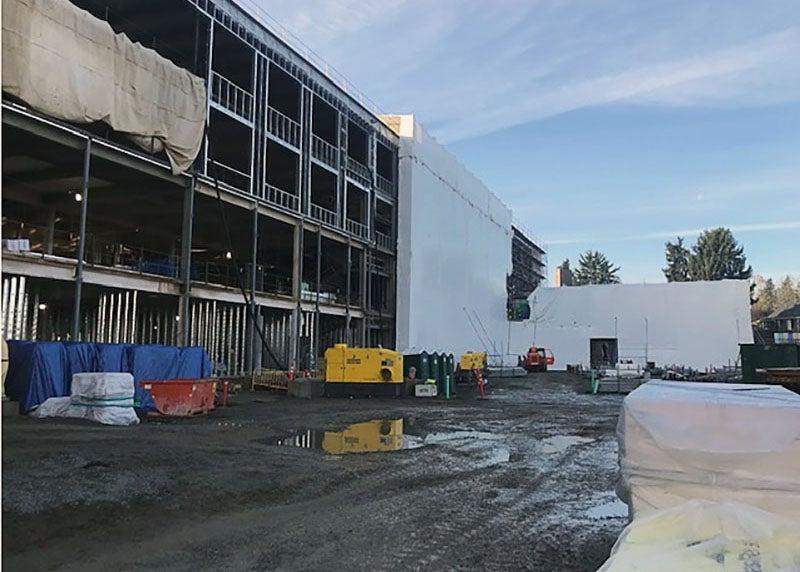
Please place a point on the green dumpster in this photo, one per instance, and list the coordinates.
(763, 356)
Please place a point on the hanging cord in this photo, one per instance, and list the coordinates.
(249, 302)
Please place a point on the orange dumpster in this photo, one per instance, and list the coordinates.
(181, 397)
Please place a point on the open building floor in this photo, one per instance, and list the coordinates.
(522, 480)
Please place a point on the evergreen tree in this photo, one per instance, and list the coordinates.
(786, 295)
(716, 255)
(595, 268)
(677, 269)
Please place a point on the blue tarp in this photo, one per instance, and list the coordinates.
(40, 370)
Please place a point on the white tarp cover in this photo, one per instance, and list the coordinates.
(696, 324)
(454, 251)
(102, 397)
(703, 536)
(713, 441)
(68, 64)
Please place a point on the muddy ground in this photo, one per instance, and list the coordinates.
(521, 480)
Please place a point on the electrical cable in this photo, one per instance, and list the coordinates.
(249, 302)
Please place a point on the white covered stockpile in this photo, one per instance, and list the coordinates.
(696, 324)
(454, 251)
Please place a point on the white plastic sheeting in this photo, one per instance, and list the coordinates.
(66, 63)
(454, 251)
(697, 324)
(102, 397)
(705, 536)
(720, 442)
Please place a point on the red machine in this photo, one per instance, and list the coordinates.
(537, 359)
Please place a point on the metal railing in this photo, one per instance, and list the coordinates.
(357, 228)
(233, 177)
(283, 127)
(280, 197)
(324, 215)
(359, 170)
(269, 282)
(296, 44)
(384, 185)
(99, 251)
(384, 240)
(232, 97)
(323, 151)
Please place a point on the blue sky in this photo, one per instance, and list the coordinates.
(611, 124)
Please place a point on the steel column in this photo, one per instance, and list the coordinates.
(76, 310)
(347, 289)
(186, 259)
(319, 286)
(252, 337)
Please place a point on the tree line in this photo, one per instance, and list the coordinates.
(715, 256)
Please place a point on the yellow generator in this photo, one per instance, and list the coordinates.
(368, 437)
(468, 362)
(365, 371)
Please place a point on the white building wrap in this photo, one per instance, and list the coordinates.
(697, 324)
(453, 260)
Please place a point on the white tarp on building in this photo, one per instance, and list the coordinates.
(697, 324)
(64, 62)
(454, 251)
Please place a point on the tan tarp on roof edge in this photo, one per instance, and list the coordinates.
(68, 64)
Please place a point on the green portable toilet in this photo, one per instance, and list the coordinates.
(442, 377)
(434, 359)
(419, 361)
(450, 370)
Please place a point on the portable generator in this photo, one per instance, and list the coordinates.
(363, 371)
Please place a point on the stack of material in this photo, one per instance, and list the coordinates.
(702, 535)
(102, 397)
(710, 441)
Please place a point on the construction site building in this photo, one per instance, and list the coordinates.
(307, 186)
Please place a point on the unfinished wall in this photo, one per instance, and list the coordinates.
(698, 324)
(454, 251)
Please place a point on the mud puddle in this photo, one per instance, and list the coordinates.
(388, 435)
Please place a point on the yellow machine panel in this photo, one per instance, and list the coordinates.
(370, 436)
(362, 365)
(472, 360)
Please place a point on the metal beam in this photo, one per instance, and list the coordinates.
(319, 286)
(186, 259)
(76, 309)
(252, 338)
(347, 290)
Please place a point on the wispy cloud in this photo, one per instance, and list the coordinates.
(469, 67)
(671, 234)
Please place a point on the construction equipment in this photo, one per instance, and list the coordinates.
(472, 360)
(537, 359)
(363, 371)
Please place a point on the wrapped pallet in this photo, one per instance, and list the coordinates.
(104, 397)
(707, 536)
(717, 442)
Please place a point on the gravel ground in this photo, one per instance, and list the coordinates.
(521, 480)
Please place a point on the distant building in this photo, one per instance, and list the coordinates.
(695, 324)
(564, 275)
(787, 320)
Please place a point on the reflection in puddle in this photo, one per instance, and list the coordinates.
(482, 449)
(378, 435)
